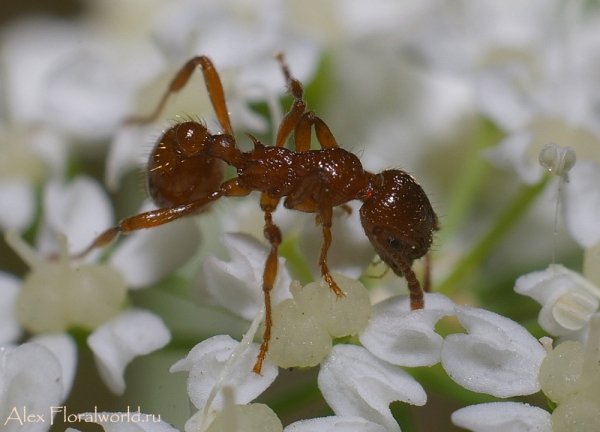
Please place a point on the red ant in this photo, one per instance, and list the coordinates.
(185, 173)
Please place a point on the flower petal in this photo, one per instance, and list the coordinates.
(207, 361)
(404, 337)
(335, 424)
(126, 153)
(582, 203)
(17, 204)
(503, 417)
(31, 377)
(512, 152)
(500, 99)
(64, 348)
(133, 421)
(567, 298)
(356, 383)
(10, 330)
(80, 209)
(497, 356)
(145, 257)
(237, 285)
(117, 342)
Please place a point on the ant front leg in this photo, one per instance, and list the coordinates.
(273, 234)
(213, 86)
(325, 212)
(302, 199)
(162, 216)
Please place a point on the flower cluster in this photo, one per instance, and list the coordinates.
(492, 106)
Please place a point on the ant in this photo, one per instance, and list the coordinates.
(186, 172)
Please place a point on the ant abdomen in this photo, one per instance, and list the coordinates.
(179, 171)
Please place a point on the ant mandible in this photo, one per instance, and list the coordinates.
(186, 172)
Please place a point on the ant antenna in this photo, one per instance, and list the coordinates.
(558, 160)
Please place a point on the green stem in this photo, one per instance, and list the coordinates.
(471, 179)
(487, 243)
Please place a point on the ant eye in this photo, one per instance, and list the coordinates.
(395, 243)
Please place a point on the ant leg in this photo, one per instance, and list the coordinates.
(273, 234)
(414, 288)
(324, 135)
(427, 278)
(302, 133)
(295, 89)
(325, 214)
(162, 216)
(298, 121)
(213, 86)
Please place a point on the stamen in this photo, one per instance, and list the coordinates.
(557, 160)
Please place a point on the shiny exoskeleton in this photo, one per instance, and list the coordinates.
(185, 174)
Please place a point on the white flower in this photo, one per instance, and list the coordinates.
(118, 341)
(570, 376)
(568, 299)
(335, 424)
(582, 202)
(503, 417)
(237, 285)
(355, 382)
(10, 330)
(58, 295)
(72, 78)
(22, 167)
(221, 381)
(548, 96)
(30, 376)
(359, 383)
(126, 422)
(497, 356)
(64, 349)
(404, 337)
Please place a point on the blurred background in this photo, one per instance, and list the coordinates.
(432, 88)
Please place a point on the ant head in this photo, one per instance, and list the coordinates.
(189, 138)
(398, 219)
